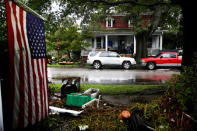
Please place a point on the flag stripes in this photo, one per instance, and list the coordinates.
(28, 96)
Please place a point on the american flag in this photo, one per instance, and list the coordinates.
(28, 67)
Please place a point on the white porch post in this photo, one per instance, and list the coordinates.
(134, 41)
(102, 42)
(106, 42)
(94, 44)
(161, 42)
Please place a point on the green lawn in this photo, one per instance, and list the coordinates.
(57, 65)
(71, 65)
(113, 89)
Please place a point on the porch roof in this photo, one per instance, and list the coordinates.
(122, 32)
(113, 32)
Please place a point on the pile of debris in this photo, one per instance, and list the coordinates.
(70, 101)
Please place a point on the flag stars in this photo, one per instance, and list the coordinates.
(36, 37)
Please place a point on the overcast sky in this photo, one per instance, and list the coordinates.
(56, 8)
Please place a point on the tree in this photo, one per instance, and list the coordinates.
(71, 41)
(189, 46)
(3, 41)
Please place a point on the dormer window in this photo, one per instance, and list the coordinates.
(109, 22)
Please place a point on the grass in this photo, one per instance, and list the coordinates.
(57, 65)
(120, 89)
(71, 65)
(112, 89)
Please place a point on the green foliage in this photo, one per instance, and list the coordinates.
(3, 25)
(40, 6)
(71, 41)
(152, 115)
(54, 88)
(184, 87)
(57, 65)
(3, 42)
(172, 40)
(170, 18)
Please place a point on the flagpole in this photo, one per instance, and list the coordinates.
(1, 111)
(26, 8)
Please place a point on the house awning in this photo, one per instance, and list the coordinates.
(113, 32)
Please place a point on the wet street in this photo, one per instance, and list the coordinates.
(112, 76)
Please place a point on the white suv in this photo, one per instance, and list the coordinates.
(103, 58)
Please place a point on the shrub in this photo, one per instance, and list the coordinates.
(184, 86)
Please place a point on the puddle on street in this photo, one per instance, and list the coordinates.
(111, 76)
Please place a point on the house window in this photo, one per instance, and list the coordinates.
(109, 22)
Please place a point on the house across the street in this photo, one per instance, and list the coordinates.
(116, 34)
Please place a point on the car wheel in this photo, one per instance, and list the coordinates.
(97, 65)
(151, 65)
(126, 65)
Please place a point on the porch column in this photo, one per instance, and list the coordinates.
(161, 42)
(134, 41)
(106, 42)
(102, 40)
(94, 44)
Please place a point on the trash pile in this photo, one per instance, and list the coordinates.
(74, 101)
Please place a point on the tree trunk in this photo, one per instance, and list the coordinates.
(189, 29)
(68, 54)
(141, 47)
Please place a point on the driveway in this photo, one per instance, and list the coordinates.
(112, 76)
